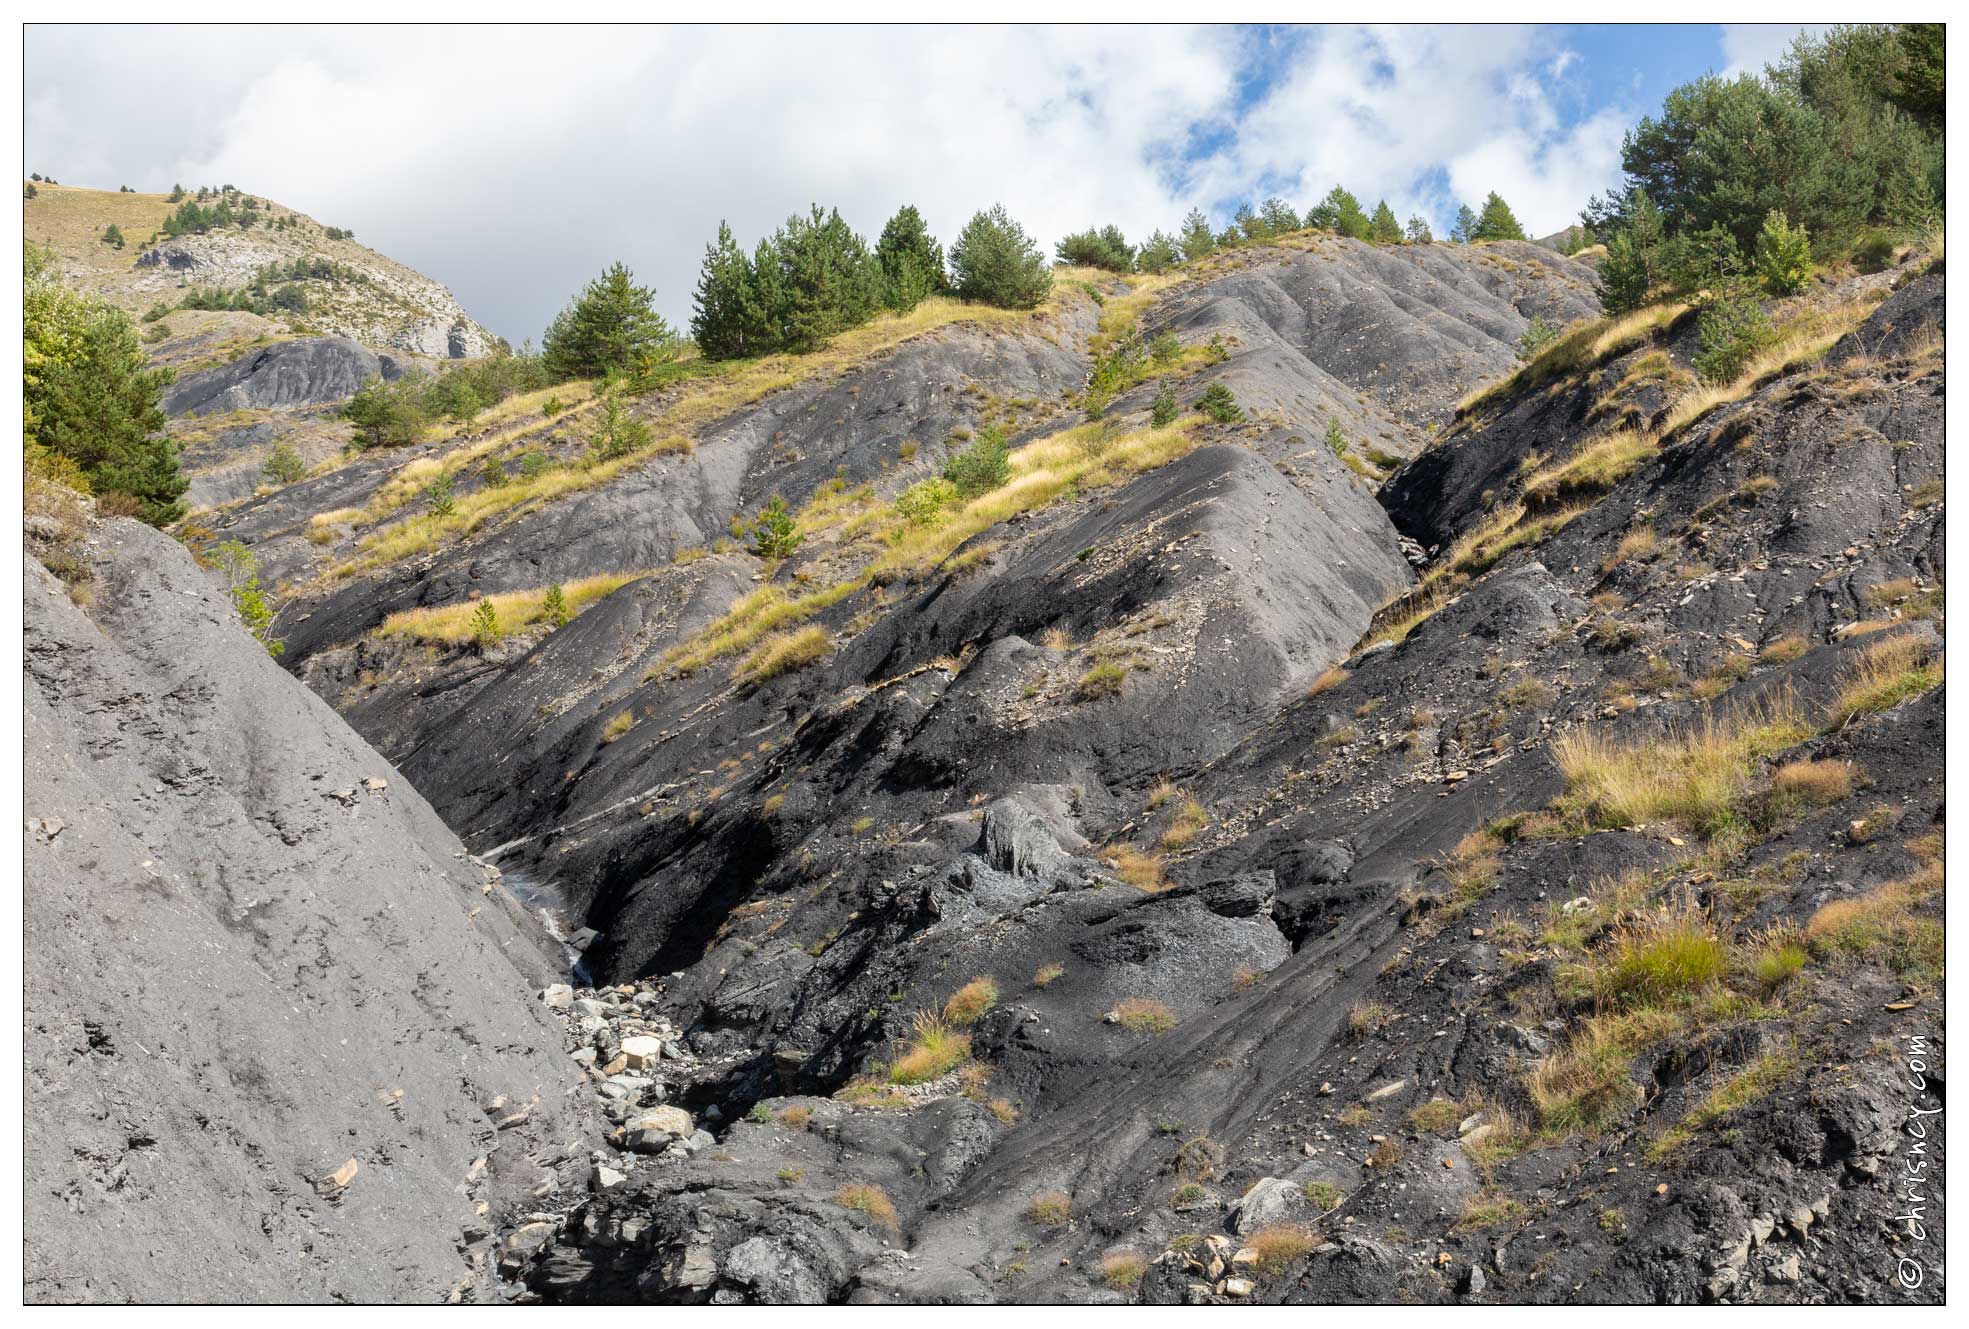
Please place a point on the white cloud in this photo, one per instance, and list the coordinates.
(1387, 111)
(513, 163)
(1748, 47)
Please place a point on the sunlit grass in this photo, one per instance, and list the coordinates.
(1697, 777)
(514, 610)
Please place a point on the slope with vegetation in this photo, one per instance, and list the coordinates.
(1293, 764)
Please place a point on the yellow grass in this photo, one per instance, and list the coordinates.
(1887, 673)
(1278, 1247)
(1697, 777)
(718, 392)
(1140, 870)
(867, 1199)
(1080, 458)
(781, 653)
(515, 610)
(1799, 342)
(1580, 346)
(1593, 471)
(750, 619)
(969, 1003)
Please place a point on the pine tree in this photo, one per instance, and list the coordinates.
(553, 606)
(89, 395)
(828, 279)
(1159, 253)
(1278, 216)
(1783, 256)
(1250, 224)
(774, 534)
(722, 317)
(996, 262)
(1383, 229)
(386, 414)
(1340, 211)
(1496, 221)
(1197, 239)
(284, 465)
(611, 325)
(765, 311)
(1418, 231)
(485, 626)
(1465, 229)
(910, 259)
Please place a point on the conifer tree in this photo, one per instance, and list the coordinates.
(1383, 229)
(1465, 229)
(723, 319)
(910, 259)
(1197, 239)
(996, 262)
(90, 396)
(611, 325)
(1496, 221)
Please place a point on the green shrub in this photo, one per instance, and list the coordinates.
(493, 473)
(981, 467)
(241, 570)
(1536, 338)
(1336, 440)
(1783, 255)
(995, 261)
(284, 465)
(774, 533)
(618, 433)
(1732, 330)
(923, 503)
(485, 625)
(437, 496)
(1218, 403)
(1162, 411)
(553, 606)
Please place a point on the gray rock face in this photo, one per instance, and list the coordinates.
(267, 1002)
(307, 372)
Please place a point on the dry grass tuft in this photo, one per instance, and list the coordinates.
(1279, 1246)
(969, 1003)
(1887, 673)
(1140, 870)
(1326, 682)
(782, 653)
(934, 1049)
(1697, 777)
(1050, 1209)
(1139, 1015)
(868, 1199)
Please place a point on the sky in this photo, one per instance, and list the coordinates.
(514, 163)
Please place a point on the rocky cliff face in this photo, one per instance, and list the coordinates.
(281, 1037)
(1238, 867)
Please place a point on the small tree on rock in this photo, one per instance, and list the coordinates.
(284, 465)
(774, 534)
